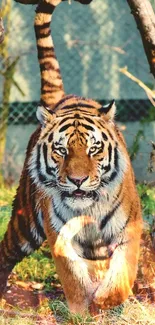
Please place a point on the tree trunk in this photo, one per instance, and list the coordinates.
(145, 18)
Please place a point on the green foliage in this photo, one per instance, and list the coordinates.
(36, 267)
(6, 195)
(150, 117)
(61, 310)
(147, 196)
(133, 150)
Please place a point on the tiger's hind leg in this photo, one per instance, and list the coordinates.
(24, 234)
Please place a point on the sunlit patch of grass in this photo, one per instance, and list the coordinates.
(6, 195)
(147, 196)
(4, 218)
(64, 316)
(130, 313)
(6, 198)
(36, 267)
(15, 321)
(133, 313)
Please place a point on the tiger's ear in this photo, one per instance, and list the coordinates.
(44, 115)
(108, 111)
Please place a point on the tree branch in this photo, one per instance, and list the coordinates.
(1, 30)
(150, 93)
(145, 18)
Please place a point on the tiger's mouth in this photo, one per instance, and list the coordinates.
(80, 194)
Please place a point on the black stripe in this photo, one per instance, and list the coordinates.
(88, 127)
(8, 259)
(35, 214)
(89, 120)
(50, 138)
(112, 177)
(58, 215)
(49, 170)
(16, 250)
(45, 135)
(55, 161)
(90, 253)
(71, 111)
(91, 245)
(105, 138)
(116, 158)
(110, 152)
(45, 52)
(26, 233)
(41, 177)
(65, 127)
(42, 26)
(114, 174)
(45, 7)
(66, 119)
(63, 100)
(78, 105)
(15, 204)
(109, 215)
(110, 134)
(46, 48)
(93, 257)
(47, 66)
(106, 168)
(38, 157)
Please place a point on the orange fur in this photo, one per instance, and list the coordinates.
(77, 189)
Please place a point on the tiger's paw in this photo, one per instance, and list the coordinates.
(106, 299)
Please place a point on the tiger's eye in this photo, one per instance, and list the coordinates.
(62, 150)
(92, 149)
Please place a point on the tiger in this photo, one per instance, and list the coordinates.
(77, 190)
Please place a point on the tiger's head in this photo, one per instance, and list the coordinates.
(80, 151)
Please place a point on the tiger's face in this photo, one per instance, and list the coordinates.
(77, 154)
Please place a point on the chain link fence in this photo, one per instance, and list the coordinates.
(25, 113)
(92, 44)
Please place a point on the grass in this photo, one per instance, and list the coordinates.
(39, 267)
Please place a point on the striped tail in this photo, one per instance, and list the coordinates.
(51, 82)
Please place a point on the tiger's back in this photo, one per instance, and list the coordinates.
(77, 189)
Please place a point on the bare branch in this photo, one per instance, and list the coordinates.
(150, 93)
(1, 30)
(145, 19)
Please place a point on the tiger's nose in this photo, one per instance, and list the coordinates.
(77, 180)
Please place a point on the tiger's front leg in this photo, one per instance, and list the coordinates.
(119, 279)
(71, 269)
